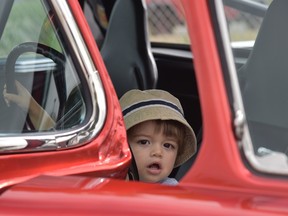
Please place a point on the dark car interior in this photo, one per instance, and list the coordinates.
(126, 50)
(133, 62)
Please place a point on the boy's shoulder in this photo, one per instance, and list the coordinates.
(169, 181)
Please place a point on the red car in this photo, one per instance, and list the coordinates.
(234, 95)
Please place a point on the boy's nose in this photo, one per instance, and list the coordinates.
(156, 151)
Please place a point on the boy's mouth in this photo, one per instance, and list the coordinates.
(154, 168)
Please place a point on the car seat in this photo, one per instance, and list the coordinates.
(126, 50)
(264, 81)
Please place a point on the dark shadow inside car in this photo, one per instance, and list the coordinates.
(131, 63)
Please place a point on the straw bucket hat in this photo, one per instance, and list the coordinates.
(139, 106)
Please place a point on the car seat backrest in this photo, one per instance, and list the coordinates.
(264, 78)
(126, 50)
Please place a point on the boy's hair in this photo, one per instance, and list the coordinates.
(174, 129)
(139, 106)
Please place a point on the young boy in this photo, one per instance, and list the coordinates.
(158, 134)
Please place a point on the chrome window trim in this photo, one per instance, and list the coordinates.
(82, 134)
(277, 162)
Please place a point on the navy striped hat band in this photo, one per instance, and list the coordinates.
(151, 103)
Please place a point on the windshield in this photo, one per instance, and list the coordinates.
(41, 90)
(35, 61)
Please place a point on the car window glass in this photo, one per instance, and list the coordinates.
(259, 33)
(34, 53)
(243, 25)
(166, 22)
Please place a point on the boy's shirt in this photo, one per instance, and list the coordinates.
(169, 181)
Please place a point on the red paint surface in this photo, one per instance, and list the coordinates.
(218, 183)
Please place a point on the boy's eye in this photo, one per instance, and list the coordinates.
(169, 146)
(143, 142)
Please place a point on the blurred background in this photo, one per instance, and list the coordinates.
(167, 23)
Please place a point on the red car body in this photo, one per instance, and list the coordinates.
(78, 183)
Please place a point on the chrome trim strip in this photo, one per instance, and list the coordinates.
(81, 135)
(238, 105)
(91, 74)
(240, 122)
(148, 44)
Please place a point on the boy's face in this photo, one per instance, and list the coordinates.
(154, 153)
